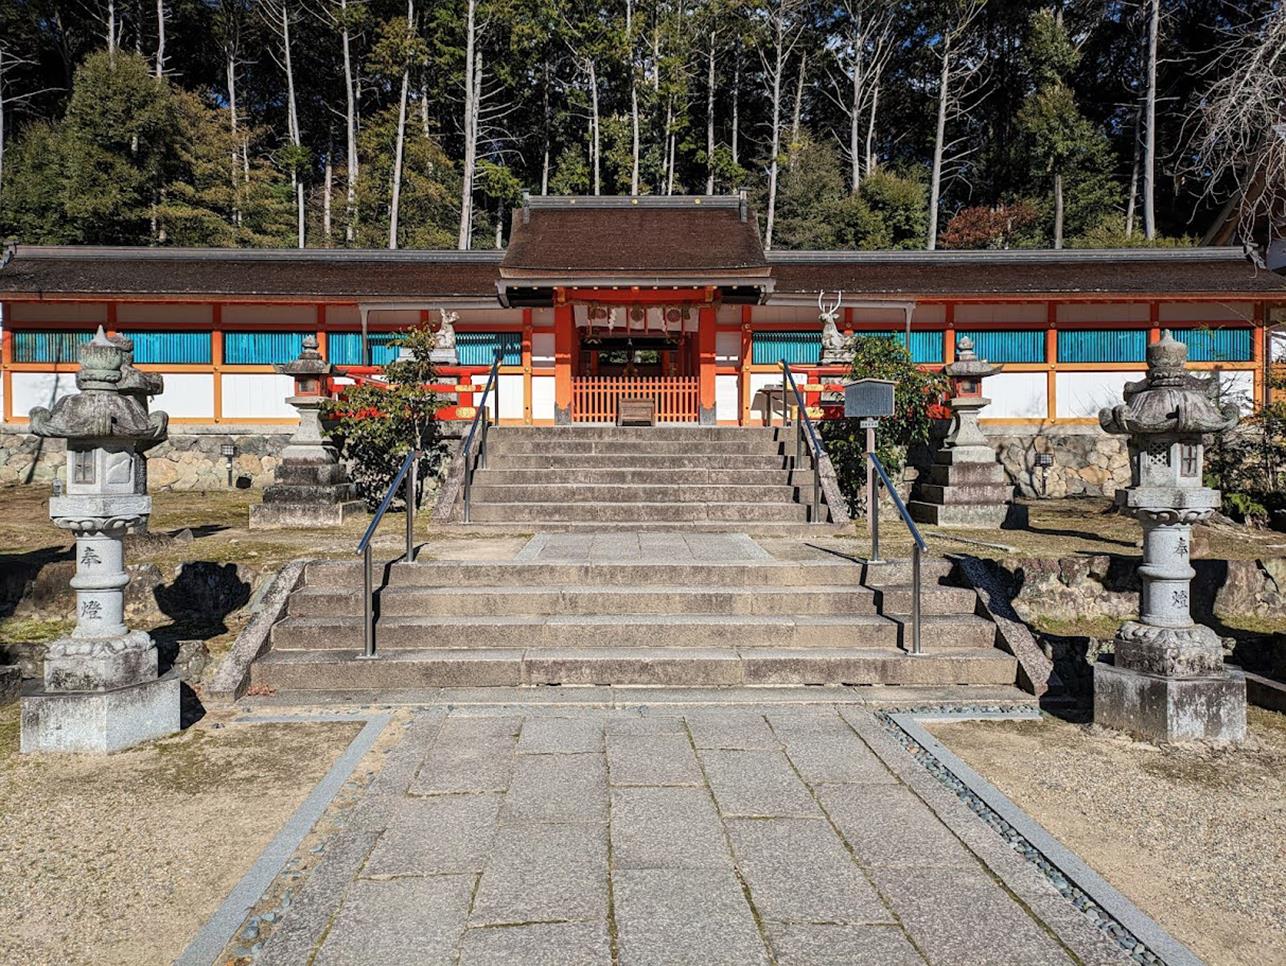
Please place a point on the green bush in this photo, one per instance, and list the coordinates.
(917, 402)
(375, 425)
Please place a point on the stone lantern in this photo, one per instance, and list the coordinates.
(311, 487)
(1168, 681)
(966, 485)
(101, 689)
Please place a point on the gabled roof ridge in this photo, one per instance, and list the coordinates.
(548, 202)
(141, 253)
(1012, 256)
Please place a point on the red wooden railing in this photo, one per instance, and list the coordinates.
(594, 398)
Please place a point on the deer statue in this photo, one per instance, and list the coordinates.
(834, 343)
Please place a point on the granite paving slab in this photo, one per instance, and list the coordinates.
(814, 944)
(544, 873)
(440, 834)
(420, 922)
(538, 944)
(667, 828)
(558, 788)
(757, 784)
(731, 730)
(661, 759)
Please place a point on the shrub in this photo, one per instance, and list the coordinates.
(376, 424)
(917, 402)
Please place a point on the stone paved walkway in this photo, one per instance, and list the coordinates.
(667, 836)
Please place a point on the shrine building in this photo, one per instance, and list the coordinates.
(596, 299)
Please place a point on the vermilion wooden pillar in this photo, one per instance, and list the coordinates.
(705, 363)
(564, 349)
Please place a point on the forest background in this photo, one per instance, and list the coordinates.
(864, 124)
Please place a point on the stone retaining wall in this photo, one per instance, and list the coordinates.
(1087, 461)
(189, 460)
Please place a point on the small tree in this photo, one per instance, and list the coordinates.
(375, 424)
(917, 402)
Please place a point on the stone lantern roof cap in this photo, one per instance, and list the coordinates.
(103, 409)
(967, 364)
(1170, 400)
(309, 362)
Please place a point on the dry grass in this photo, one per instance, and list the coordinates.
(1193, 836)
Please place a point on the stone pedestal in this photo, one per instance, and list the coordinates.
(101, 690)
(311, 487)
(1163, 708)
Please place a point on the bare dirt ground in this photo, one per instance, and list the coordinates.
(1196, 838)
(120, 859)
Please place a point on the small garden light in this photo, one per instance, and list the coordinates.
(228, 450)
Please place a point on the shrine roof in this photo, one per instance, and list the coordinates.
(633, 238)
(1181, 272)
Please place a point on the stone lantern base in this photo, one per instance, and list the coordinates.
(1162, 708)
(98, 722)
(307, 495)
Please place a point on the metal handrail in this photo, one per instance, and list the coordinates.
(409, 470)
(918, 547)
(803, 422)
(481, 416)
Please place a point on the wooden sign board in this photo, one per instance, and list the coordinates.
(636, 412)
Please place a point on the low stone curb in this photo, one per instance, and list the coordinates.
(1135, 933)
(233, 677)
(209, 943)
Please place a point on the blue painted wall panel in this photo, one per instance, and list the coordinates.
(1102, 345)
(260, 348)
(184, 348)
(1007, 345)
(797, 348)
(478, 348)
(345, 348)
(1216, 345)
(50, 346)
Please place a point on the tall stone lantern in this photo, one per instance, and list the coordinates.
(311, 487)
(101, 689)
(1168, 681)
(966, 485)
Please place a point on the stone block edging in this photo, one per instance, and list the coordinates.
(1134, 932)
(233, 677)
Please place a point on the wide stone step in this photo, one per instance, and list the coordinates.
(340, 670)
(637, 512)
(574, 630)
(686, 433)
(630, 493)
(689, 458)
(649, 475)
(767, 574)
(500, 445)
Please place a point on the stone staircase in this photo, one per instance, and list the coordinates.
(570, 477)
(740, 621)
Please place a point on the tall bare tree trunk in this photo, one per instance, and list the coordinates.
(736, 106)
(710, 115)
(870, 131)
(774, 156)
(160, 38)
(400, 146)
(854, 122)
(935, 181)
(544, 162)
(329, 189)
(799, 107)
(1150, 129)
(350, 127)
(111, 30)
(470, 128)
(1058, 210)
(634, 99)
(594, 148)
(292, 122)
(1132, 205)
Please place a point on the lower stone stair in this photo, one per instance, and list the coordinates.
(761, 622)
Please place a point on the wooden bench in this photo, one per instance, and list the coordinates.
(636, 412)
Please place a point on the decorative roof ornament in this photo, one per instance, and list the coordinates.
(1170, 399)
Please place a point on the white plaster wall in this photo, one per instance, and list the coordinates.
(486, 316)
(542, 316)
(542, 397)
(1016, 395)
(929, 314)
(1082, 394)
(982, 312)
(727, 348)
(1104, 312)
(179, 313)
(894, 318)
(31, 389)
(395, 318)
(59, 311)
(343, 315)
(1239, 386)
(542, 349)
(771, 314)
(295, 316)
(757, 381)
(727, 398)
(256, 395)
(510, 388)
(728, 315)
(1206, 312)
(187, 395)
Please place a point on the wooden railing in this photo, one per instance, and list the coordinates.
(595, 398)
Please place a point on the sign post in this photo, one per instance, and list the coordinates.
(869, 400)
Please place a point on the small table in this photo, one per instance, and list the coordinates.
(636, 412)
